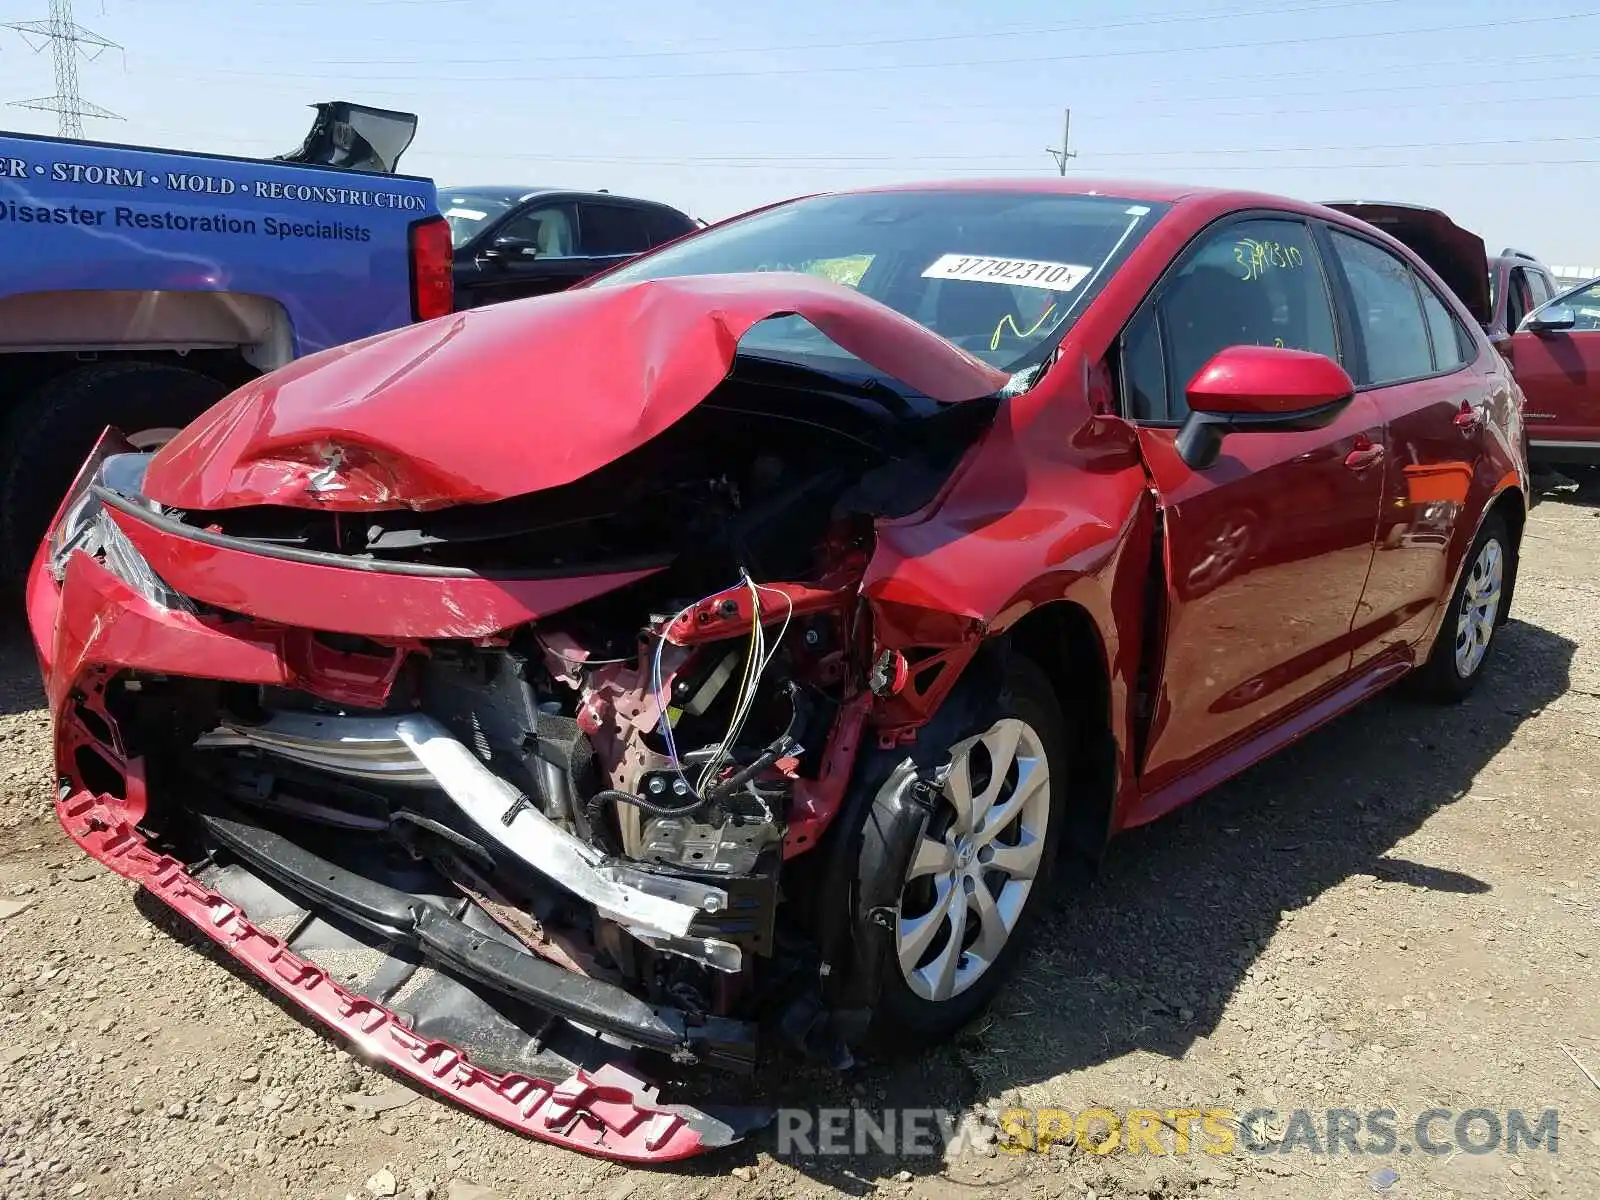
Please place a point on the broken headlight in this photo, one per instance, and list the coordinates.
(85, 524)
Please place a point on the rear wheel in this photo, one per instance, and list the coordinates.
(978, 873)
(1467, 633)
(52, 431)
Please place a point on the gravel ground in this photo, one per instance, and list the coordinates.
(1400, 912)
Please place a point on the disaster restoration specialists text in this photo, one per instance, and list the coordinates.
(122, 217)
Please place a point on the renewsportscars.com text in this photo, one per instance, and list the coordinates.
(1375, 1132)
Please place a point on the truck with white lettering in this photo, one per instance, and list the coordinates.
(138, 285)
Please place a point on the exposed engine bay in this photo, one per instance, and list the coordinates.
(599, 818)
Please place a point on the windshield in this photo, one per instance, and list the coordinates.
(470, 212)
(1001, 274)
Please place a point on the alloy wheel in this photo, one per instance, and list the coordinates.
(1480, 606)
(975, 865)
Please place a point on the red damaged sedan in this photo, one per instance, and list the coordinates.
(724, 654)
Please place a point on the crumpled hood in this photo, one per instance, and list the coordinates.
(519, 397)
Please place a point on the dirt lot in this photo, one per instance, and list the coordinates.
(1400, 913)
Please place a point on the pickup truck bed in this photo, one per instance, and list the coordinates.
(141, 285)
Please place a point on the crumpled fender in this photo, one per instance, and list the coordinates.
(515, 398)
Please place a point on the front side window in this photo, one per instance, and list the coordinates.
(470, 213)
(1003, 275)
(1585, 305)
(1250, 283)
(1388, 310)
(548, 229)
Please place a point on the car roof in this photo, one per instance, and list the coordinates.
(1154, 193)
(1178, 195)
(510, 194)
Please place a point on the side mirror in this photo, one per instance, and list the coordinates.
(504, 249)
(1553, 318)
(1259, 389)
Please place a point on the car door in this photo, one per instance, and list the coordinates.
(612, 232)
(1559, 371)
(1267, 550)
(1414, 357)
(530, 252)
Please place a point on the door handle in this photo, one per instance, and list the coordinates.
(1363, 457)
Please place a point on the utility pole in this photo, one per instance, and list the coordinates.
(66, 39)
(1060, 156)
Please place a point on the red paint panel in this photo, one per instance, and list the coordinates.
(1267, 379)
(97, 619)
(1560, 376)
(347, 600)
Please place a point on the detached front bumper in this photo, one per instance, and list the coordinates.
(406, 971)
(607, 1111)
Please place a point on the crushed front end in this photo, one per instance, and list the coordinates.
(510, 795)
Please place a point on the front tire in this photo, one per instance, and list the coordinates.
(1467, 633)
(979, 871)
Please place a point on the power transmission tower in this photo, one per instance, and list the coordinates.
(67, 40)
(1060, 156)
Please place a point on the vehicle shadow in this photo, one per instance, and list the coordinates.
(21, 689)
(1146, 957)
(1579, 490)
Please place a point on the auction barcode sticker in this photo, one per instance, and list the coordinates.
(1019, 272)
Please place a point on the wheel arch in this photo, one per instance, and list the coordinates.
(1064, 641)
(1511, 505)
(256, 328)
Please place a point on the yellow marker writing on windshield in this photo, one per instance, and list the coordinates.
(1000, 329)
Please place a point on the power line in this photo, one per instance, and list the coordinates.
(876, 68)
(1178, 18)
(879, 161)
(778, 165)
(67, 40)
(853, 112)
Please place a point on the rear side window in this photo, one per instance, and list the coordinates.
(1450, 341)
(1388, 311)
(664, 225)
(1250, 283)
(612, 229)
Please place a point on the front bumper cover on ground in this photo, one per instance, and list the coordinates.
(606, 1110)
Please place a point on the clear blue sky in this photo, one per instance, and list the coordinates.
(1486, 109)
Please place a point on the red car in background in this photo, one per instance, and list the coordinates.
(1556, 357)
(1550, 341)
(729, 648)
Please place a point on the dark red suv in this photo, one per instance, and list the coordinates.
(731, 646)
(1550, 340)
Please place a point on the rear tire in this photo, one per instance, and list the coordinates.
(52, 431)
(989, 878)
(1467, 632)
